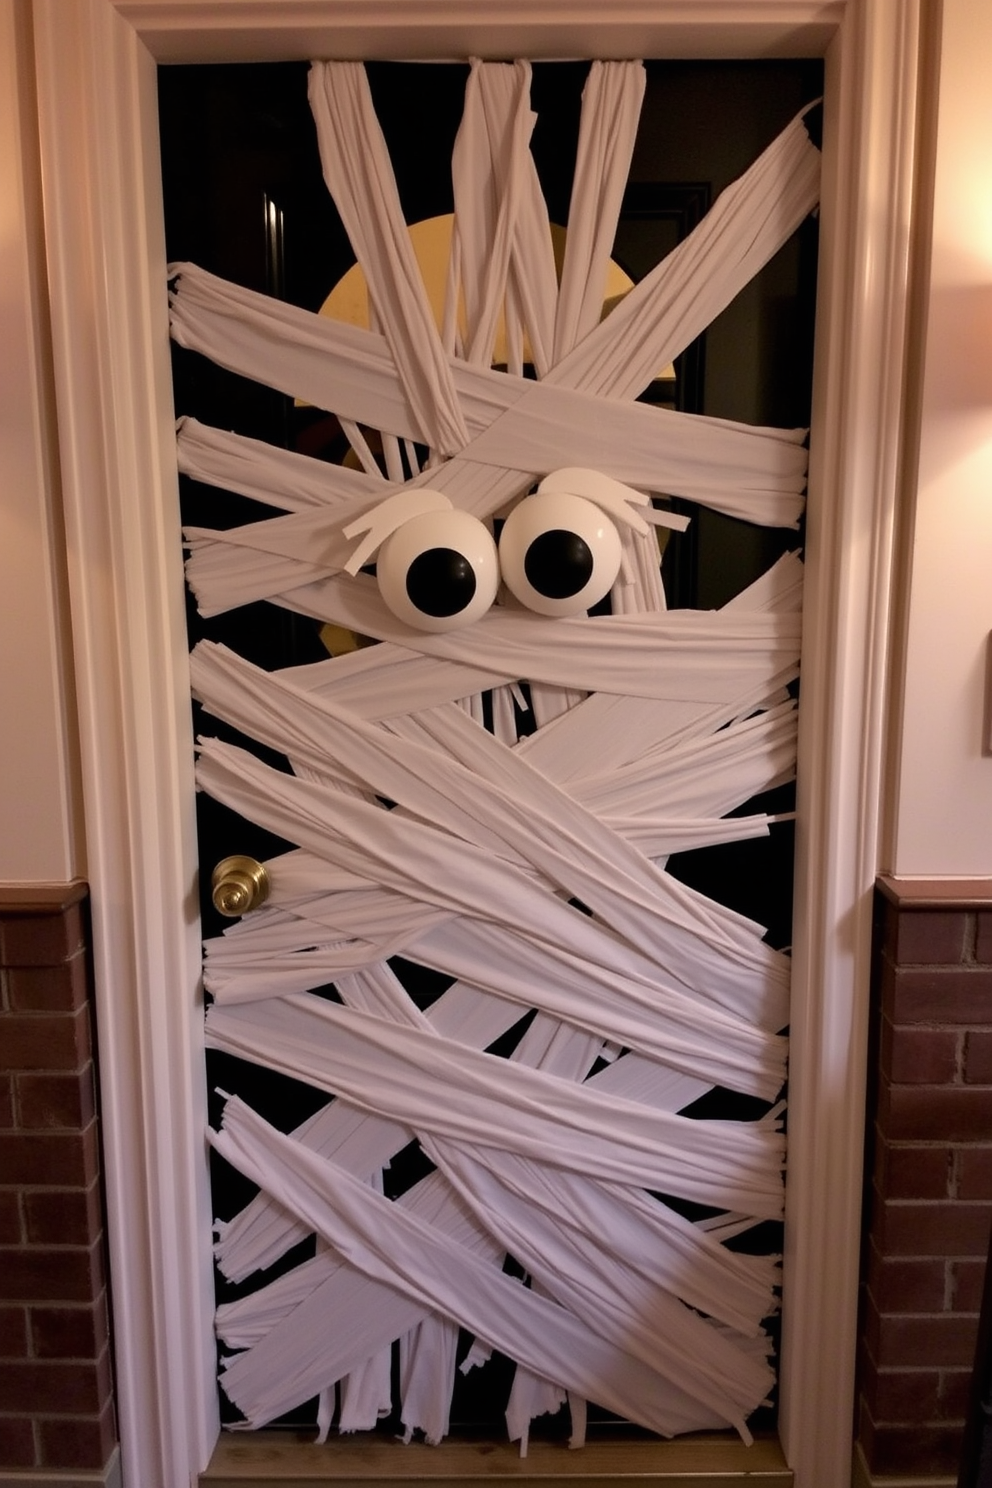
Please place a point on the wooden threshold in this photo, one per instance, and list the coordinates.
(291, 1459)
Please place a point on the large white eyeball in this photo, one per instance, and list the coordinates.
(559, 554)
(438, 571)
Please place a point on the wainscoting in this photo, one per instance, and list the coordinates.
(56, 1391)
(929, 1171)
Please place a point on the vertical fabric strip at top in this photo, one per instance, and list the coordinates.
(360, 178)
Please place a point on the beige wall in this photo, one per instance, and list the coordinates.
(942, 817)
(38, 837)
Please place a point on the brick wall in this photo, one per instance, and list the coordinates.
(929, 1196)
(56, 1397)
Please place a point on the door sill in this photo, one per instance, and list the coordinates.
(291, 1459)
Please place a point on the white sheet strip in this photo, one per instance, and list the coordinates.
(360, 178)
(476, 1098)
(482, 792)
(418, 1262)
(683, 655)
(611, 107)
(747, 223)
(610, 1298)
(455, 877)
(279, 477)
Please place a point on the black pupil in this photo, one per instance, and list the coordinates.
(558, 564)
(440, 582)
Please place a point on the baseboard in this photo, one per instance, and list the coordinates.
(862, 1477)
(106, 1477)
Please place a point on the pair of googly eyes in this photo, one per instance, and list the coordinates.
(558, 554)
(559, 550)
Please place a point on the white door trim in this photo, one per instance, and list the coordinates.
(96, 80)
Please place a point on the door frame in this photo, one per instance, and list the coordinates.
(96, 63)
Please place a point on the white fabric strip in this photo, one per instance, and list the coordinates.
(611, 107)
(378, 1067)
(390, 680)
(502, 242)
(360, 178)
(611, 1212)
(458, 878)
(485, 794)
(684, 655)
(279, 477)
(609, 1297)
(258, 1236)
(747, 223)
(258, 1322)
(418, 1262)
(522, 430)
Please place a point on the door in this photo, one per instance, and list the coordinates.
(263, 219)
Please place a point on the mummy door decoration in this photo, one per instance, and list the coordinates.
(528, 869)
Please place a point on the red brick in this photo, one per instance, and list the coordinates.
(69, 1332)
(56, 1100)
(46, 1041)
(983, 940)
(955, 1389)
(919, 1056)
(905, 1171)
(49, 989)
(951, 1229)
(63, 1216)
(41, 939)
(925, 1450)
(931, 1341)
(937, 995)
(944, 1339)
(974, 1170)
(935, 1113)
(900, 1394)
(10, 1220)
(968, 1278)
(59, 1159)
(927, 937)
(978, 1057)
(16, 1442)
(13, 1333)
(64, 1389)
(899, 1285)
(6, 1094)
(62, 1274)
(77, 1443)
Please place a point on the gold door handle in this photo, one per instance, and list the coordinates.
(238, 884)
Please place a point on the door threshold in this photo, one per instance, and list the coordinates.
(293, 1460)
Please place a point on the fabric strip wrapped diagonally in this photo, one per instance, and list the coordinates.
(528, 869)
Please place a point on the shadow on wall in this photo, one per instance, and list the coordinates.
(961, 317)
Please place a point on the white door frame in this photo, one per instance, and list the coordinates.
(96, 80)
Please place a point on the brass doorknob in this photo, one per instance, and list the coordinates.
(238, 884)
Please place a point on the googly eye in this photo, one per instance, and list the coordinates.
(439, 570)
(559, 554)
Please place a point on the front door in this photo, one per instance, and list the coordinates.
(498, 841)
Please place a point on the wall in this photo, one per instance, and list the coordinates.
(943, 800)
(39, 836)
